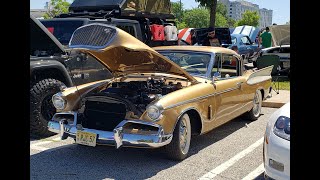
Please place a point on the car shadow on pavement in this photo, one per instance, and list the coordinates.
(200, 142)
(83, 162)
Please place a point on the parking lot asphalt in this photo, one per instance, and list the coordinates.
(232, 151)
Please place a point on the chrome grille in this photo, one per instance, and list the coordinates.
(94, 36)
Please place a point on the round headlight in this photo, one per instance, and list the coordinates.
(153, 112)
(58, 102)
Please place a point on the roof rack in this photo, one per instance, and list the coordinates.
(118, 8)
(102, 14)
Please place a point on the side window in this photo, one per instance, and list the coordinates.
(225, 66)
(128, 29)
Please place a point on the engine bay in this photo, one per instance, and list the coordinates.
(123, 99)
(142, 92)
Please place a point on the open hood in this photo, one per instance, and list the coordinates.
(122, 53)
(280, 34)
(250, 31)
(42, 41)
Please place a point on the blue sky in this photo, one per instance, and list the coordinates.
(281, 8)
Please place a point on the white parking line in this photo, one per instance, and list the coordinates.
(36, 146)
(255, 173)
(222, 167)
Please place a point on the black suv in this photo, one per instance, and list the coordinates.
(49, 50)
(49, 74)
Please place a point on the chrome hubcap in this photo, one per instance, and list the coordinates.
(256, 104)
(183, 135)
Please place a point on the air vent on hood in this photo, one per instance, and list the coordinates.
(93, 36)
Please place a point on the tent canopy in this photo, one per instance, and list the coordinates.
(280, 34)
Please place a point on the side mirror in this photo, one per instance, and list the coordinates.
(213, 79)
(216, 75)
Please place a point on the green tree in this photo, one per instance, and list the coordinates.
(181, 25)
(196, 17)
(222, 9)
(250, 18)
(177, 10)
(56, 7)
(288, 22)
(231, 22)
(221, 21)
(212, 6)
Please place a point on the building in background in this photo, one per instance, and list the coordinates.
(235, 9)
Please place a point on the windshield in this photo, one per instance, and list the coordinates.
(195, 64)
(63, 29)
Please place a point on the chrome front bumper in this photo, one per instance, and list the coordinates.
(118, 138)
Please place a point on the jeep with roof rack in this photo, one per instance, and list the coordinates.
(49, 47)
(149, 21)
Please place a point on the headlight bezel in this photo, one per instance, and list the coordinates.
(58, 97)
(154, 109)
(281, 127)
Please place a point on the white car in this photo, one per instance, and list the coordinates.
(276, 146)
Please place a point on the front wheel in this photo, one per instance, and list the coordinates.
(254, 113)
(41, 107)
(179, 146)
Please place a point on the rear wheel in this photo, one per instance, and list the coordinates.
(254, 113)
(41, 107)
(179, 146)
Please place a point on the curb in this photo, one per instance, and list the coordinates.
(272, 104)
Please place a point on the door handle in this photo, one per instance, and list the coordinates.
(239, 85)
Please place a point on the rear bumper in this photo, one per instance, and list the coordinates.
(118, 137)
(277, 157)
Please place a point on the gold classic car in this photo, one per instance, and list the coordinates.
(157, 97)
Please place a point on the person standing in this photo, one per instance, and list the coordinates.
(266, 39)
(211, 39)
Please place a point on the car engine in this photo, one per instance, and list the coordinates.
(122, 100)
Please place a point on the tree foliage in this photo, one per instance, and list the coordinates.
(56, 7)
(175, 9)
(196, 17)
(212, 6)
(221, 21)
(222, 9)
(250, 18)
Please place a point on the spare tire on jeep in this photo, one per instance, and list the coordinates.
(41, 107)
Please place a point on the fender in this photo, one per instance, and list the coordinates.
(51, 64)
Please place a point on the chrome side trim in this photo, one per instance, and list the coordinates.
(227, 90)
(200, 98)
(190, 101)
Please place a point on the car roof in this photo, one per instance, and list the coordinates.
(196, 48)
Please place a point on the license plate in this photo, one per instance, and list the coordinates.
(286, 64)
(86, 138)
